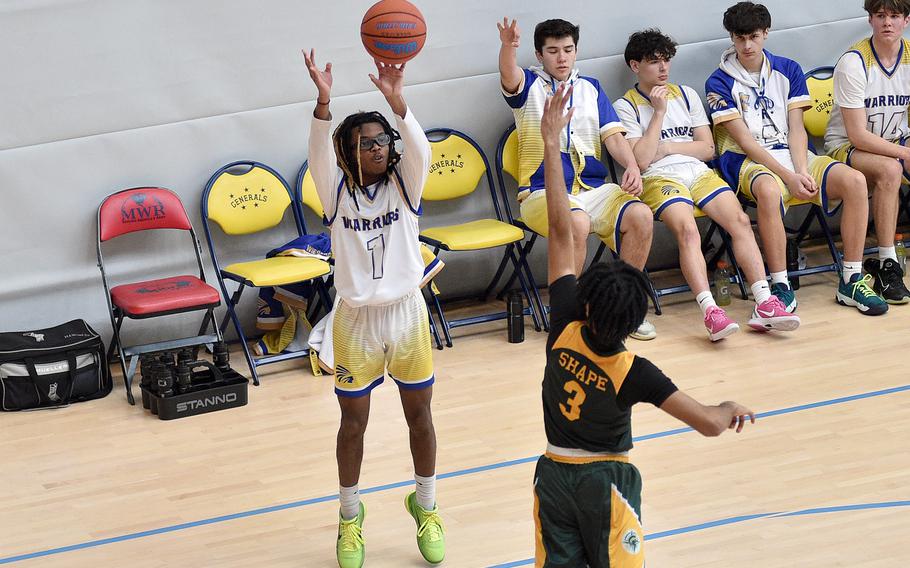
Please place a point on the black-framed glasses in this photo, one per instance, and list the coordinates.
(367, 143)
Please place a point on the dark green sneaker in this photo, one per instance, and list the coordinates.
(350, 550)
(786, 296)
(859, 294)
(431, 534)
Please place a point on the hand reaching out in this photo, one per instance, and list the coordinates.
(555, 118)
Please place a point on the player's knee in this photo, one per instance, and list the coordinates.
(688, 235)
(352, 426)
(766, 193)
(581, 227)
(638, 220)
(740, 224)
(888, 175)
(420, 420)
(855, 186)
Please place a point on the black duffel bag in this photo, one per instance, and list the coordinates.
(52, 367)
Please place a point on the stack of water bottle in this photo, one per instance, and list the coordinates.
(175, 384)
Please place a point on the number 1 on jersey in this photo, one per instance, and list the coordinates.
(377, 247)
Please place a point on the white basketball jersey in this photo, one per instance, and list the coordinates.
(861, 81)
(374, 230)
(684, 114)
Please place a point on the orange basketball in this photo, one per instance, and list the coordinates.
(393, 31)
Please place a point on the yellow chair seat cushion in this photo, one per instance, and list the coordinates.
(277, 271)
(476, 235)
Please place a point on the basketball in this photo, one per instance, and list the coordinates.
(393, 31)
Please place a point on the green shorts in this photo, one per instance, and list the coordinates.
(587, 512)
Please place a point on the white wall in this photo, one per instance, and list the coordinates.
(99, 95)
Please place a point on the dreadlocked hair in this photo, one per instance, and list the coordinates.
(347, 151)
(615, 295)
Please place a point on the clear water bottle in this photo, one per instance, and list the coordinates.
(722, 284)
(901, 252)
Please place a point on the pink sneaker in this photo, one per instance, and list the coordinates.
(771, 314)
(718, 324)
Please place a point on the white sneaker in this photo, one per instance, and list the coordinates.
(645, 332)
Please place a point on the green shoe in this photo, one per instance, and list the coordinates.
(349, 550)
(859, 294)
(431, 538)
(786, 295)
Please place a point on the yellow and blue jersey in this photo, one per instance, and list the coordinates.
(762, 102)
(594, 119)
(861, 81)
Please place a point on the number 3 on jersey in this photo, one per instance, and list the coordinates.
(377, 247)
(573, 411)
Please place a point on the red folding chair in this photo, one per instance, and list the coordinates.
(143, 209)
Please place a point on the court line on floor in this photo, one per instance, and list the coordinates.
(386, 487)
(742, 519)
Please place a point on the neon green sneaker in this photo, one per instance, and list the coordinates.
(349, 550)
(431, 534)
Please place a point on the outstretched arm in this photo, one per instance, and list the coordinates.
(323, 81)
(321, 160)
(707, 420)
(510, 73)
(415, 160)
(560, 242)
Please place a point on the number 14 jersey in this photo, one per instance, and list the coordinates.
(861, 81)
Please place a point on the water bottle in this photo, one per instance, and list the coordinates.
(516, 317)
(722, 283)
(901, 252)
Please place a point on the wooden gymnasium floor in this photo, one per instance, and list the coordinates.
(821, 480)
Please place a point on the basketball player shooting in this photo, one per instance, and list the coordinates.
(371, 196)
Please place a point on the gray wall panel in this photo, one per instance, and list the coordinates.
(99, 95)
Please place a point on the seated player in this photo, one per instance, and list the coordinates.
(757, 101)
(868, 129)
(670, 137)
(587, 495)
(613, 212)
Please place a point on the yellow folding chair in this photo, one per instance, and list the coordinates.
(456, 168)
(246, 198)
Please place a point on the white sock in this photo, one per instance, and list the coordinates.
(350, 501)
(426, 491)
(705, 300)
(760, 291)
(885, 253)
(780, 278)
(851, 268)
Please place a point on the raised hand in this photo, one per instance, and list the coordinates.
(389, 79)
(322, 79)
(555, 118)
(509, 34)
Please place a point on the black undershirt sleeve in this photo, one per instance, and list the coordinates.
(645, 383)
(564, 306)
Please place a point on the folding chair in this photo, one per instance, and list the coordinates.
(144, 209)
(306, 196)
(456, 168)
(246, 198)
